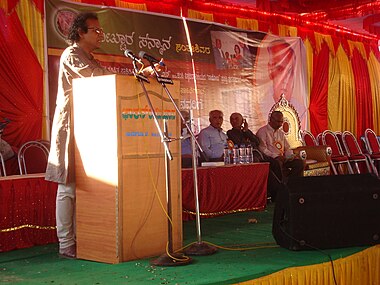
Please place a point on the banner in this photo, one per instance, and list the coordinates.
(228, 69)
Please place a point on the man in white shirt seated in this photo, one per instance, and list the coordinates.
(212, 139)
(273, 143)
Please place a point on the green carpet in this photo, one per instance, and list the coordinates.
(231, 264)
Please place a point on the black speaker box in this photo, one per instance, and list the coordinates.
(328, 212)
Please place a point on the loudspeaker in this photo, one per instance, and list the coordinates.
(328, 212)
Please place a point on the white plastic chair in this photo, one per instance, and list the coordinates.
(32, 157)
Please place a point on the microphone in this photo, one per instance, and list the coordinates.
(151, 59)
(130, 54)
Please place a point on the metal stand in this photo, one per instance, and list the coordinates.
(199, 248)
(169, 258)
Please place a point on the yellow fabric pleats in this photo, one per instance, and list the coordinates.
(200, 15)
(33, 23)
(310, 66)
(134, 6)
(287, 31)
(374, 72)
(320, 39)
(360, 268)
(341, 104)
(247, 24)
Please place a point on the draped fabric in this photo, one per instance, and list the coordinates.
(374, 71)
(353, 89)
(27, 212)
(223, 190)
(319, 91)
(21, 83)
(363, 93)
(341, 96)
(359, 268)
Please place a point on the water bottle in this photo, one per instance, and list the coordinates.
(235, 155)
(226, 155)
(248, 154)
(242, 154)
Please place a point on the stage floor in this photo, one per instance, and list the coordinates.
(247, 251)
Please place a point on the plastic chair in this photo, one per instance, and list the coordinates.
(33, 157)
(338, 159)
(339, 135)
(319, 139)
(308, 138)
(354, 152)
(373, 147)
(3, 172)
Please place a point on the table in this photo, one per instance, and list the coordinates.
(225, 189)
(27, 211)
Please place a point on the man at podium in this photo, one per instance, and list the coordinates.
(85, 35)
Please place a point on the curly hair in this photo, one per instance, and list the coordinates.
(79, 24)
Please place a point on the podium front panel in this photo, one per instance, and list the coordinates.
(120, 169)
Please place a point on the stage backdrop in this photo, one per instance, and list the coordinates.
(225, 68)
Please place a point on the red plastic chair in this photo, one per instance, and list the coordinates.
(373, 148)
(308, 138)
(339, 135)
(354, 152)
(319, 139)
(338, 159)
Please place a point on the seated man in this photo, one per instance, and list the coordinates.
(273, 143)
(212, 139)
(240, 134)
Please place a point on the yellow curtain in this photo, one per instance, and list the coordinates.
(341, 93)
(320, 38)
(309, 60)
(287, 31)
(200, 15)
(359, 268)
(4, 5)
(247, 24)
(359, 46)
(374, 71)
(134, 6)
(33, 24)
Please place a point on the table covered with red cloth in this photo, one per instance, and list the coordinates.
(27, 211)
(225, 189)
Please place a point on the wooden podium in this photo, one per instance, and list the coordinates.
(120, 169)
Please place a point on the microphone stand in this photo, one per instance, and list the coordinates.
(169, 258)
(198, 248)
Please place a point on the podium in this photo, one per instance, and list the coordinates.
(120, 169)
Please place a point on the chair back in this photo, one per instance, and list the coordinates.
(308, 138)
(329, 138)
(339, 136)
(292, 123)
(33, 157)
(319, 139)
(373, 145)
(351, 144)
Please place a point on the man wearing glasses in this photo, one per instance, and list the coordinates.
(273, 143)
(85, 35)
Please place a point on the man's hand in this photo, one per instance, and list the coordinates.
(245, 125)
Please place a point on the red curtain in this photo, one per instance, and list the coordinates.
(363, 93)
(21, 83)
(27, 211)
(319, 92)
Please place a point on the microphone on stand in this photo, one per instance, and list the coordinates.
(130, 54)
(151, 59)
